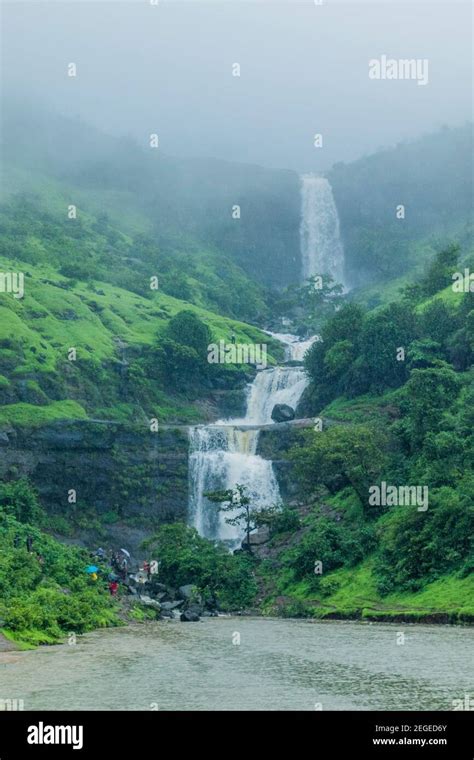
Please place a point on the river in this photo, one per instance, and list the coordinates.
(278, 665)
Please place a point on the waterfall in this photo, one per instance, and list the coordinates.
(224, 453)
(295, 348)
(321, 247)
(282, 385)
(220, 457)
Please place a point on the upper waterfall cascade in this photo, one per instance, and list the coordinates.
(222, 455)
(322, 251)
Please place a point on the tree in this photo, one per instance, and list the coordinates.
(178, 366)
(180, 357)
(461, 343)
(441, 269)
(424, 353)
(427, 394)
(346, 324)
(318, 300)
(20, 500)
(186, 328)
(341, 456)
(338, 359)
(233, 499)
(384, 331)
(329, 362)
(417, 547)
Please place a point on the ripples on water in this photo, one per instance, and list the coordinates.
(279, 665)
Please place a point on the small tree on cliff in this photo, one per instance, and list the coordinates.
(237, 499)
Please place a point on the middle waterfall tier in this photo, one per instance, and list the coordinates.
(222, 455)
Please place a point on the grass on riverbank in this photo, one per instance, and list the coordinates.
(350, 593)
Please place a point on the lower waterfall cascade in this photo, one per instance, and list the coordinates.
(223, 454)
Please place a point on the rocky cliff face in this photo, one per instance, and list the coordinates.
(106, 483)
(274, 442)
(126, 480)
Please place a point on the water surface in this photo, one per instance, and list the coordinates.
(278, 665)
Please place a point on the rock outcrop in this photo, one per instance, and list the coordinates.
(129, 477)
(282, 413)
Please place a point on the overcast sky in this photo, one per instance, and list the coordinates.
(167, 69)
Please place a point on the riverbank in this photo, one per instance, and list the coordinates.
(351, 594)
(6, 645)
(411, 610)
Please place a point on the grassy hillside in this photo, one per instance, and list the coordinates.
(352, 593)
(107, 326)
(85, 291)
(120, 248)
(185, 205)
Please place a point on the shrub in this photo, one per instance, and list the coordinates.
(185, 557)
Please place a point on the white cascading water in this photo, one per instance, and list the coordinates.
(295, 348)
(321, 247)
(224, 454)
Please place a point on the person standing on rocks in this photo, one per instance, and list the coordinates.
(113, 588)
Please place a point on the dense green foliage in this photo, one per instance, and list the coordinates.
(20, 501)
(306, 307)
(329, 543)
(185, 557)
(45, 593)
(373, 351)
(399, 418)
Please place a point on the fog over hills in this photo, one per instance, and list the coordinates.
(170, 69)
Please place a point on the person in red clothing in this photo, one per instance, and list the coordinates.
(113, 588)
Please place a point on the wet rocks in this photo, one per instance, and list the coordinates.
(283, 413)
(170, 609)
(187, 591)
(149, 602)
(260, 536)
(189, 616)
(185, 602)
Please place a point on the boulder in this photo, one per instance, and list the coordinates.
(260, 536)
(188, 616)
(168, 606)
(158, 586)
(195, 608)
(282, 413)
(149, 602)
(187, 591)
